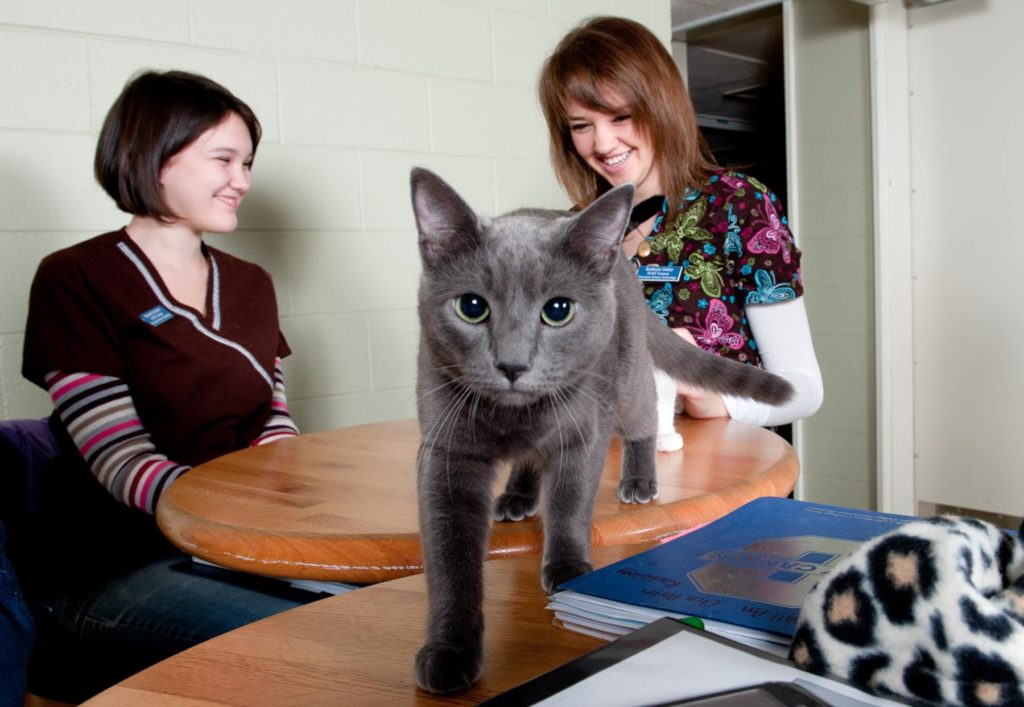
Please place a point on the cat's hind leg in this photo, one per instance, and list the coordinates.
(521, 496)
(668, 439)
(639, 480)
(636, 415)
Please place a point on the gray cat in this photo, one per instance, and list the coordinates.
(535, 346)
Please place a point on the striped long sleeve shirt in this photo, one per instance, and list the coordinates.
(102, 420)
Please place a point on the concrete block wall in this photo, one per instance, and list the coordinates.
(834, 229)
(351, 94)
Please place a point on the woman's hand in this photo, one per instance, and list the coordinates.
(698, 403)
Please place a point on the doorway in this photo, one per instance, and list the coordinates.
(736, 78)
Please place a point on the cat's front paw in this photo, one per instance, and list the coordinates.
(441, 669)
(669, 442)
(637, 490)
(514, 506)
(556, 573)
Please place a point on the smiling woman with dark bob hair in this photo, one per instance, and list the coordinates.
(159, 352)
(154, 118)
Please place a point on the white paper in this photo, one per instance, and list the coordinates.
(687, 665)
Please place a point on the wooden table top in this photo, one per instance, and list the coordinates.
(341, 505)
(358, 649)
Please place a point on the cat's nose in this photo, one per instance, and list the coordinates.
(513, 370)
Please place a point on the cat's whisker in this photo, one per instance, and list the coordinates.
(432, 435)
(566, 402)
(599, 376)
(560, 397)
(447, 420)
(453, 405)
(447, 384)
(553, 401)
(466, 393)
(474, 408)
(565, 399)
(596, 399)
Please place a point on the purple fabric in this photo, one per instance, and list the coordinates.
(30, 445)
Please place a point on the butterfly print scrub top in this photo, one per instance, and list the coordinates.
(728, 248)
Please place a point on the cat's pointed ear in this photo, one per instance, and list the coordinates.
(445, 222)
(596, 233)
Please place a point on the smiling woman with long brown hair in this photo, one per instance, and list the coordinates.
(712, 246)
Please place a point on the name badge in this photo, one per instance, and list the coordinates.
(156, 316)
(660, 273)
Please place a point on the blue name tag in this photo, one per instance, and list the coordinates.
(660, 273)
(156, 316)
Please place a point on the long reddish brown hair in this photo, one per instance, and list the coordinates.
(614, 55)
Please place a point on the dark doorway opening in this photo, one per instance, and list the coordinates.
(736, 80)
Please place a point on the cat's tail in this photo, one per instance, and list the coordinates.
(691, 364)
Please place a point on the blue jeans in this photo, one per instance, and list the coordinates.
(16, 634)
(135, 620)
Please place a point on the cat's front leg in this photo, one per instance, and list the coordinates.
(570, 490)
(455, 523)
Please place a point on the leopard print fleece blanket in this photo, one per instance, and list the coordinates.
(932, 611)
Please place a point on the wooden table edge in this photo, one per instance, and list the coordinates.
(391, 556)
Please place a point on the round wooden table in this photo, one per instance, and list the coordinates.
(341, 505)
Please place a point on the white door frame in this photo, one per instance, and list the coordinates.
(894, 312)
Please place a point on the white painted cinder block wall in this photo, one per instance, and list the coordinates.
(831, 132)
(351, 94)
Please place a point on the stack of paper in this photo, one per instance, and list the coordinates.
(606, 619)
(314, 587)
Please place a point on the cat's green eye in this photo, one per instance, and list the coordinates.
(472, 308)
(558, 311)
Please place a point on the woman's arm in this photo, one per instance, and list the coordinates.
(783, 338)
(99, 414)
(280, 424)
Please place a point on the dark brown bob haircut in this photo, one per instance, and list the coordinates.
(605, 56)
(156, 116)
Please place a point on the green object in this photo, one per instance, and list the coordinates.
(692, 621)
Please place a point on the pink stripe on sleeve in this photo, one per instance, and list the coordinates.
(146, 475)
(68, 387)
(107, 432)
